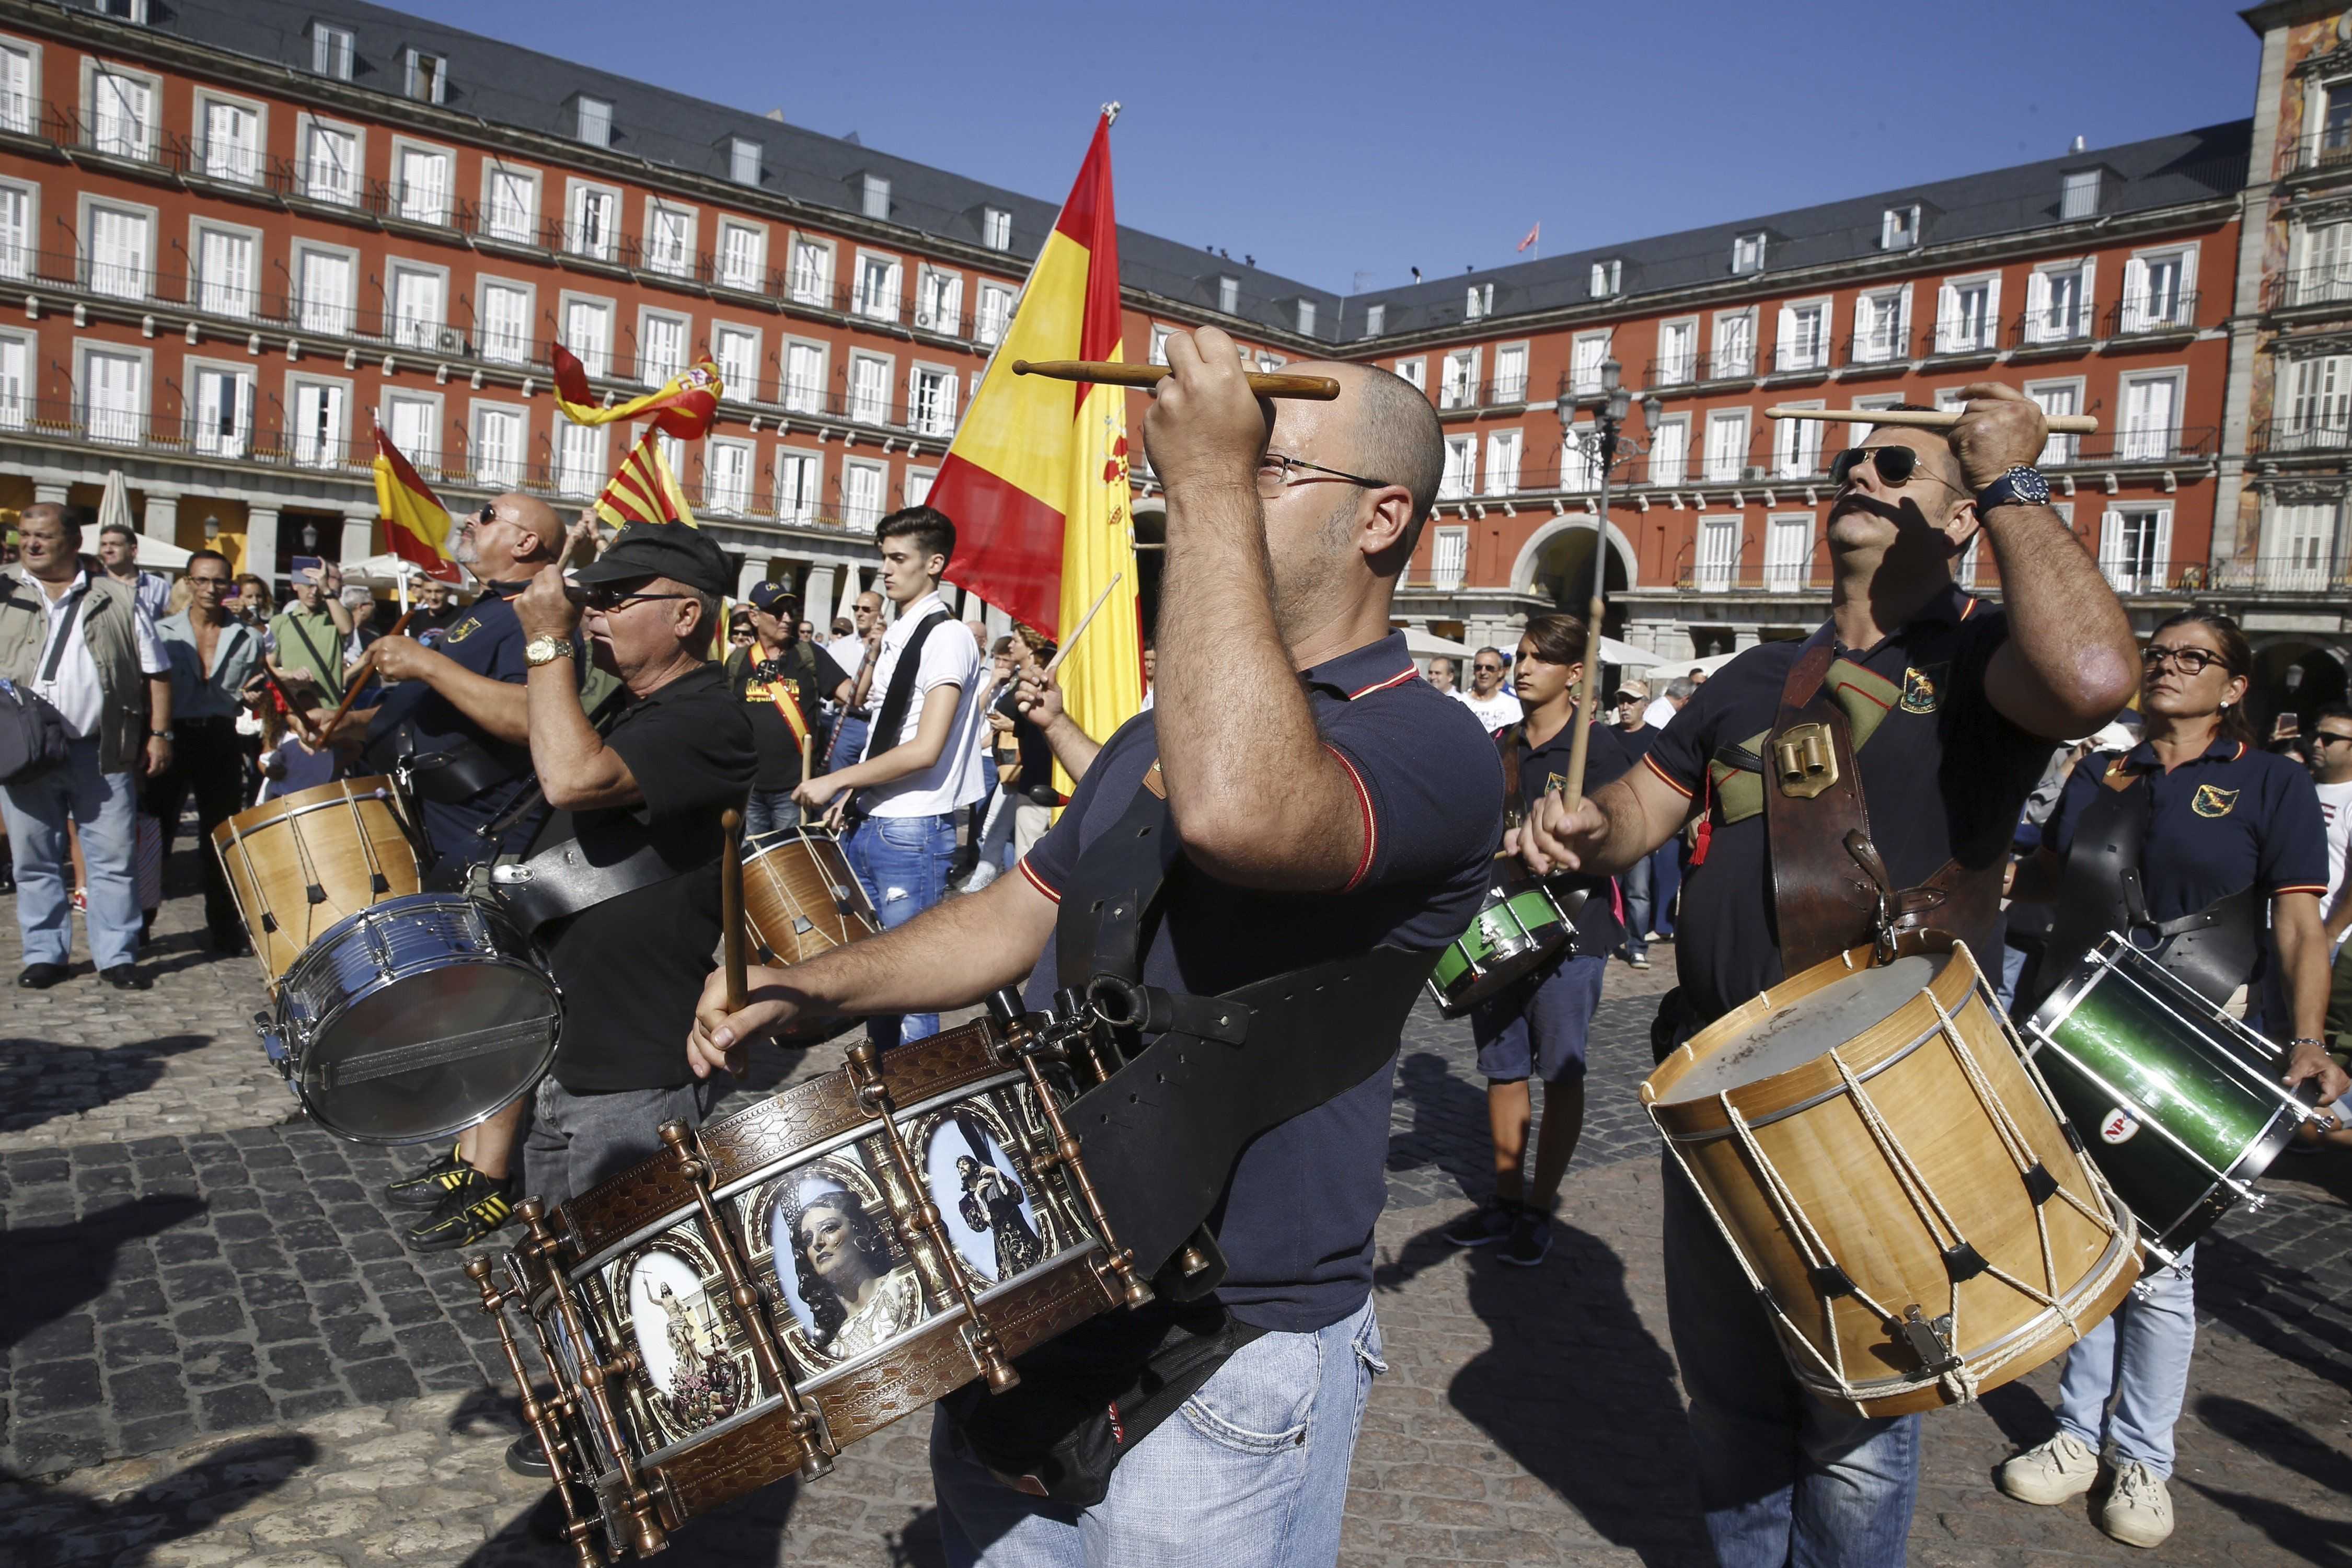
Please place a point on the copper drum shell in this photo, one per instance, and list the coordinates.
(1807, 1125)
(337, 837)
(801, 899)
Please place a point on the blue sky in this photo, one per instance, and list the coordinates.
(1343, 144)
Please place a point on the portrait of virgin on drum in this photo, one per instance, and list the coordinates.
(992, 1204)
(846, 1291)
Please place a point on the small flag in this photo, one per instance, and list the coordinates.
(643, 490)
(1531, 237)
(416, 524)
(683, 407)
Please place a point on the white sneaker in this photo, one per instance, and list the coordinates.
(2061, 1468)
(2139, 1512)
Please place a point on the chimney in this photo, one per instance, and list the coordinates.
(777, 115)
(2077, 147)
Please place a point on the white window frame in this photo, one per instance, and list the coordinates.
(1747, 254)
(804, 395)
(1951, 338)
(1458, 387)
(1376, 319)
(939, 301)
(142, 148)
(1786, 359)
(405, 208)
(1229, 295)
(426, 459)
(584, 472)
(599, 362)
(1459, 479)
(745, 160)
(730, 257)
(853, 512)
(1877, 339)
(804, 286)
(885, 305)
(1719, 363)
(1711, 570)
(20, 108)
(915, 485)
(1305, 318)
(993, 312)
(2299, 558)
(2139, 447)
(2141, 309)
(856, 405)
(1586, 351)
(327, 457)
(801, 505)
(413, 63)
(1608, 279)
(525, 350)
(2079, 193)
(209, 442)
(306, 126)
(425, 337)
(938, 424)
(1161, 332)
(1478, 301)
(332, 51)
(1677, 369)
(19, 251)
(2039, 286)
(646, 316)
(1898, 229)
(200, 129)
(201, 287)
(1504, 450)
(301, 304)
(1681, 466)
(1449, 557)
(2059, 450)
(477, 412)
(1580, 465)
(670, 231)
(591, 120)
(1785, 573)
(1797, 444)
(492, 170)
(732, 495)
(2122, 565)
(573, 245)
(744, 389)
(1724, 419)
(996, 228)
(874, 196)
(1416, 371)
(16, 398)
(139, 421)
(99, 277)
(1512, 386)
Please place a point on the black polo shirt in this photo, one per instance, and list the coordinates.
(1599, 932)
(1943, 774)
(1297, 1222)
(632, 968)
(2230, 819)
(758, 684)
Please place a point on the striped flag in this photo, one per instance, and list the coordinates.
(684, 407)
(416, 524)
(643, 490)
(1036, 478)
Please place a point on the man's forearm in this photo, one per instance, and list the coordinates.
(950, 955)
(500, 707)
(1072, 747)
(576, 768)
(2071, 642)
(1628, 838)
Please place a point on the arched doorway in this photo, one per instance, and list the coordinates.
(1560, 569)
(2295, 674)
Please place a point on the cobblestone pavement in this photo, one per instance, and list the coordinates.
(217, 1352)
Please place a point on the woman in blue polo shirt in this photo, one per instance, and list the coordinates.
(2226, 825)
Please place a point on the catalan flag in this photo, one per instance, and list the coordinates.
(416, 524)
(643, 490)
(1036, 478)
(684, 407)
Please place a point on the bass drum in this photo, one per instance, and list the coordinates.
(413, 1019)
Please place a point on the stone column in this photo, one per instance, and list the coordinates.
(261, 543)
(54, 495)
(754, 572)
(816, 599)
(359, 535)
(160, 517)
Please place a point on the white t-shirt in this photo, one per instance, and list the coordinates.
(948, 658)
(76, 693)
(1494, 712)
(2336, 811)
(849, 652)
(1659, 713)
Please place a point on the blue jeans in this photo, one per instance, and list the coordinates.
(1665, 881)
(903, 863)
(769, 811)
(2012, 969)
(849, 744)
(1251, 1473)
(1635, 883)
(106, 805)
(576, 1141)
(2140, 1356)
(1785, 1479)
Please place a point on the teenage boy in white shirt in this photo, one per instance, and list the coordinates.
(912, 779)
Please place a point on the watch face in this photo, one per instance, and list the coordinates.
(2030, 486)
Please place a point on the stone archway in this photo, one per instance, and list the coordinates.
(1557, 563)
(2295, 672)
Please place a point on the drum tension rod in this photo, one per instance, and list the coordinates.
(1929, 1341)
(807, 1423)
(576, 1529)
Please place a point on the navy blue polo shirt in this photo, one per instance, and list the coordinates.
(487, 639)
(1297, 1222)
(2227, 820)
(1943, 774)
(1606, 756)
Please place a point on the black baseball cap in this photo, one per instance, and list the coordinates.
(766, 596)
(670, 550)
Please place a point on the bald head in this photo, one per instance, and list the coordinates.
(519, 534)
(1390, 430)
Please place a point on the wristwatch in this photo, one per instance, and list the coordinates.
(2022, 486)
(159, 734)
(546, 650)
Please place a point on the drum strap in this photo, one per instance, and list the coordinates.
(563, 880)
(1508, 739)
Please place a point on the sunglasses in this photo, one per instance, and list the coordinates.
(2330, 737)
(1897, 464)
(2193, 660)
(605, 599)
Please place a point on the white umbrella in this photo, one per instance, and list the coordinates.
(114, 506)
(1627, 654)
(161, 554)
(1424, 644)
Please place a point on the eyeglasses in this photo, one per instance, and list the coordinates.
(605, 600)
(1897, 465)
(2329, 737)
(2193, 660)
(1277, 471)
(1487, 669)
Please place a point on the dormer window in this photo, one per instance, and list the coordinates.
(428, 77)
(594, 125)
(1747, 254)
(2079, 198)
(874, 196)
(1376, 319)
(123, 10)
(996, 228)
(1307, 318)
(1229, 295)
(330, 51)
(1899, 228)
(743, 161)
(1606, 277)
(1478, 301)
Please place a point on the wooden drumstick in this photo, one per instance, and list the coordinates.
(356, 681)
(730, 907)
(1088, 619)
(1924, 418)
(1116, 373)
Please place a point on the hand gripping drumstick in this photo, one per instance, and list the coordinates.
(1924, 418)
(1114, 372)
(310, 736)
(730, 906)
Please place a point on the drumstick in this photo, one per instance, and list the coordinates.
(730, 907)
(1583, 740)
(357, 678)
(1925, 418)
(1072, 641)
(1114, 372)
(310, 736)
(808, 755)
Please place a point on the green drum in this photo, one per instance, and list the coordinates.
(1520, 927)
(2180, 1104)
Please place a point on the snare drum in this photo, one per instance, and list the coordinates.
(1896, 1182)
(1520, 928)
(413, 1019)
(2180, 1103)
(798, 1276)
(305, 861)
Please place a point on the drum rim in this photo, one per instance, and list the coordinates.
(350, 923)
(246, 823)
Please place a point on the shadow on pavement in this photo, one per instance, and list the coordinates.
(1577, 1391)
(2278, 1306)
(1449, 1127)
(2288, 1446)
(40, 1525)
(54, 1270)
(40, 1081)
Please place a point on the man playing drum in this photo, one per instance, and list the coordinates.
(1326, 803)
(1945, 699)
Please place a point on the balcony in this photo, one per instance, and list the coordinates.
(1802, 357)
(2060, 326)
(2299, 434)
(2321, 155)
(2308, 572)
(2155, 314)
(1960, 336)
(2328, 283)
(1880, 348)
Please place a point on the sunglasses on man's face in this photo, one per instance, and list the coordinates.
(605, 599)
(1897, 464)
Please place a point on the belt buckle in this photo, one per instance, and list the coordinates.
(1804, 759)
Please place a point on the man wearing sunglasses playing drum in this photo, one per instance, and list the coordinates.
(1952, 707)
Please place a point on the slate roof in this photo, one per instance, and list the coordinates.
(503, 83)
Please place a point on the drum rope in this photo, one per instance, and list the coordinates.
(367, 843)
(309, 874)
(2104, 1219)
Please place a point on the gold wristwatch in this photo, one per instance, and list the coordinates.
(546, 650)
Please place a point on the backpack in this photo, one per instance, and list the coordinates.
(32, 734)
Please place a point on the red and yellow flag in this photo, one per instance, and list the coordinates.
(1036, 478)
(416, 524)
(643, 490)
(683, 407)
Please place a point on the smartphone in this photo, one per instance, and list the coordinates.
(308, 569)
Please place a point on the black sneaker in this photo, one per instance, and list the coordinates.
(424, 1189)
(473, 1210)
(1490, 1221)
(1530, 1239)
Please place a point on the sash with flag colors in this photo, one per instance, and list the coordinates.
(683, 407)
(643, 490)
(1036, 478)
(416, 524)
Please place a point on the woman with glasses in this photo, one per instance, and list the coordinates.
(2217, 827)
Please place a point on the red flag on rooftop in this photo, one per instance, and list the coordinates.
(1532, 235)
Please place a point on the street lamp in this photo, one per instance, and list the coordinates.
(1599, 447)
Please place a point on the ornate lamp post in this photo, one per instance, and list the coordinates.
(1601, 446)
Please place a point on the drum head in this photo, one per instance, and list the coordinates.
(430, 1054)
(1792, 1035)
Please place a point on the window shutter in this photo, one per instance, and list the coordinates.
(2037, 307)
(2089, 308)
(2111, 543)
(2136, 302)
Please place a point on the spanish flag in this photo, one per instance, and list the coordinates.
(684, 407)
(1036, 478)
(643, 490)
(416, 524)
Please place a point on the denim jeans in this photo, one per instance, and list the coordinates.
(2013, 960)
(2140, 1356)
(849, 744)
(1784, 1478)
(1635, 883)
(903, 862)
(769, 811)
(1252, 1472)
(579, 1140)
(1665, 881)
(106, 805)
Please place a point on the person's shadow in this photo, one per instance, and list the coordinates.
(1576, 1390)
(2276, 1438)
(1446, 1124)
(54, 1270)
(94, 1076)
(127, 1529)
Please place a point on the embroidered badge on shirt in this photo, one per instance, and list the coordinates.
(1923, 689)
(2211, 800)
(462, 630)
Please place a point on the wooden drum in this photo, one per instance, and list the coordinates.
(801, 899)
(1894, 1175)
(304, 862)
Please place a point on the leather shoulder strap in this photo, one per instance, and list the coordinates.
(1823, 904)
(895, 701)
(1507, 739)
(1114, 890)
